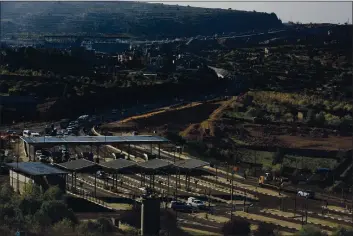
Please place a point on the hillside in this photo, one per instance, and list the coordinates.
(141, 20)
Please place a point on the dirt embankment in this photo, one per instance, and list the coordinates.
(195, 121)
(169, 119)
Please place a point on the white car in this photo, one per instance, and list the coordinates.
(43, 158)
(196, 203)
(306, 194)
(38, 152)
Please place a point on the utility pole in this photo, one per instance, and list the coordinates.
(255, 163)
(295, 205)
(306, 210)
(231, 196)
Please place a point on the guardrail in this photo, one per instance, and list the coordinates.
(77, 191)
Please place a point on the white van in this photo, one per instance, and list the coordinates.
(26, 133)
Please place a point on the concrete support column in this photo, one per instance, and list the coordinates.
(168, 183)
(159, 150)
(95, 184)
(150, 181)
(186, 181)
(128, 151)
(98, 152)
(72, 180)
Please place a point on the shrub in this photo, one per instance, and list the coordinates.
(332, 120)
(105, 225)
(236, 227)
(320, 118)
(346, 121)
(252, 112)
(88, 228)
(343, 232)
(63, 227)
(53, 193)
(310, 230)
(310, 116)
(288, 117)
(265, 229)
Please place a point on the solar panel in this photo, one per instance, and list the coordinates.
(36, 168)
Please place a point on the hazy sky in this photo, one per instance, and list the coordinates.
(305, 12)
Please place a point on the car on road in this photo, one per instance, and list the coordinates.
(43, 158)
(10, 131)
(38, 152)
(306, 193)
(135, 133)
(146, 191)
(196, 203)
(60, 132)
(180, 206)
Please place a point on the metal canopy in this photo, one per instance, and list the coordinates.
(120, 166)
(138, 139)
(80, 165)
(35, 168)
(190, 164)
(155, 164)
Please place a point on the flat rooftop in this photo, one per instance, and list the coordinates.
(77, 165)
(118, 164)
(190, 164)
(155, 164)
(137, 139)
(35, 168)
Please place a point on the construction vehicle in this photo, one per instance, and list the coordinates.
(265, 179)
(268, 181)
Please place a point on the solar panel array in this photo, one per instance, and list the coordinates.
(94, 139)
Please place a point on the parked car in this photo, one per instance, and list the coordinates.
(306, 194)
(101, 174)
(146, 191)
(10, 131)
(38, 152)
(43, 158)
(180, 206)
(196, 203)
